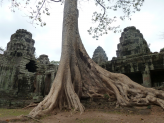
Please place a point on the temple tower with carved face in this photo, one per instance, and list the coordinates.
(99, 55)
(21, 44)
(131, 43)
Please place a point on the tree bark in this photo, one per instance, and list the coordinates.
(79, 76)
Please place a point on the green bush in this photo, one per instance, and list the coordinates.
(149, 107)
(1, 50)
(106, 96)
(162, 49)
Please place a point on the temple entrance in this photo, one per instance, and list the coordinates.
(135, 76)
(31, 66)
(47, 84)
(157, 77)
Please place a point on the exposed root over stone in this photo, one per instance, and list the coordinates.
(79, 76)
(30, 105)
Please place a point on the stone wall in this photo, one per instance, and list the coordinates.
(135, 60)
(140, 68)
(24, 79)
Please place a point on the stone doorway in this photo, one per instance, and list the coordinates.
(31, 66)
(157, 77)
(47, 84)
(135, 76)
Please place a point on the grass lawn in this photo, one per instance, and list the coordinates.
(5, 113)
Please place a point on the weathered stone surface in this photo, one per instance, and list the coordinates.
(21, 44)
(43, 59)
(135, 60)
(22, 77)
(132, 42)
(99, 55)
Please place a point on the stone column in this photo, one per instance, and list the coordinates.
(146, 79)
(38, 94)
(131, 67)
(52, 77)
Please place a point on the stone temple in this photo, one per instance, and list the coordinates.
(43, 59)
(99, 56)
(131, 43)
(135, 60)
(23, 78)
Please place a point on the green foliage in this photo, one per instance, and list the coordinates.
(55, 62)
(161, 49)
(102, 20)
(106, 96)
(149, 107)
(1, 50)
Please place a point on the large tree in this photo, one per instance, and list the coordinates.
(79, 76)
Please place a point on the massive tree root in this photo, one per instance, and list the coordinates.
(79, 76)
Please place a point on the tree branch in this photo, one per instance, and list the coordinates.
(1, 2)
(55, 1)
(102, 7)
(42, 6)
(40, 9)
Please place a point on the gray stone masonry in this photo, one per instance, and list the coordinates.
(135, 60)
(43, 59)
(99, 55)
(131, 43)
(21, 44)
(23, 78)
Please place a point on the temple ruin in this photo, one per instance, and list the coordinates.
(23, 78)
(99, 56)
(135, 60)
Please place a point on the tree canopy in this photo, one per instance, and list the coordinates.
(102, 21)
(78, 76)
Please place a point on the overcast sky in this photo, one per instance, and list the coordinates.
(48, 39)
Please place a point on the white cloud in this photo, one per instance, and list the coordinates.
(48, 39)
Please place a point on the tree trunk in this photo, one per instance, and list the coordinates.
(79, 76)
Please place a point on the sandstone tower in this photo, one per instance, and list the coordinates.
(21, 44)
(23, 78)
(135, 60)
(131, 43)
(99, 55)
(43, 59)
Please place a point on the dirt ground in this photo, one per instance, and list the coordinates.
(152, 114)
